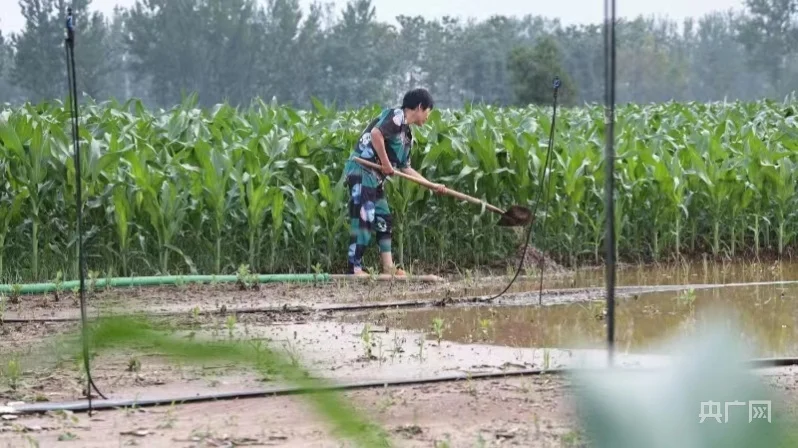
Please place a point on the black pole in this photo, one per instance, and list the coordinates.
(73, 89)
(609, 157)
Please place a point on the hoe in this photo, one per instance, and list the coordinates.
(515, 216)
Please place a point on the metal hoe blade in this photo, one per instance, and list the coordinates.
(515, 216)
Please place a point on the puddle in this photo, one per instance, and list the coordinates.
(714, 273)
(652, 275)
(767, 315)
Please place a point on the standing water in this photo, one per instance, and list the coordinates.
(767, 314)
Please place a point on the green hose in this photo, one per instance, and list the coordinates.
(43, 288)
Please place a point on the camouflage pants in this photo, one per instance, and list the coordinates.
(368, 212)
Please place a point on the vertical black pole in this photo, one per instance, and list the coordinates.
(609, 157)
(73, 100)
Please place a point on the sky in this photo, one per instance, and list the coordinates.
(568, 11)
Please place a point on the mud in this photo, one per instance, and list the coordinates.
(474, 335)
(340, 352)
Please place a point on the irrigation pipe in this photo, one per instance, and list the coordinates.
(411, 304)
(172, 280)
(81, 406)
(122, 282)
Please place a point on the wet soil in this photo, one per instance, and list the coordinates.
(508, 334)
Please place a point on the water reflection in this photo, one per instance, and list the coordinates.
(766, 314)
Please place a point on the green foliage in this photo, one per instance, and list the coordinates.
(206, 190)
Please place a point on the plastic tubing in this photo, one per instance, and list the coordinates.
(43, 288)
(83, 406)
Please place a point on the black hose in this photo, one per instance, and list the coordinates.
(69, 44)
(543, 184)
(79, 406)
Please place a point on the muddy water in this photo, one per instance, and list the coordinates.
(767, 315)
(693, 273)
(649, 275)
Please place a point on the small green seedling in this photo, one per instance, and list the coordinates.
(13, 373)
(245, 279)
(437, 327)
(687, 298)
(16, 293)
(134, 365)
(93, 275)
(484, 326)
(59, 285)
(231, 325)
(365, 336)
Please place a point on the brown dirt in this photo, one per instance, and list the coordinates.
(214, 297)
(534, 412)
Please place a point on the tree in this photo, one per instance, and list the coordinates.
(770, 36)
(533, 69)
(40, 60)
(211, 47)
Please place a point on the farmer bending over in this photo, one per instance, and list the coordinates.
(387, 142)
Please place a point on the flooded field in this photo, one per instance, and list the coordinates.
(767, 314)
(684, 273)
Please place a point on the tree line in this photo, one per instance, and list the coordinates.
(235, 50)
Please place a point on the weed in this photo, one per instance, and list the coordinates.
(292, 352)
(59, 285)
(134, 365)
(169, 418)
(92, 286)
(317, 271)
(687, 298)
(16, 293)
(443, 443)
(437, 327)
(13, 373)
(397, 345)
(195, 313)
(67, 436)
(231, 325)
(245, 279)
(572, 439)
(365, 336)
(485, 325)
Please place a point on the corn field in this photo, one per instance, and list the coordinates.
(191, 190)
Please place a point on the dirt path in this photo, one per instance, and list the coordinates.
(533, 412)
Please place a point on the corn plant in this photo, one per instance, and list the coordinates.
(206, 189)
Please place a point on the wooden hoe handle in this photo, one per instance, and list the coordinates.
(431, 186)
